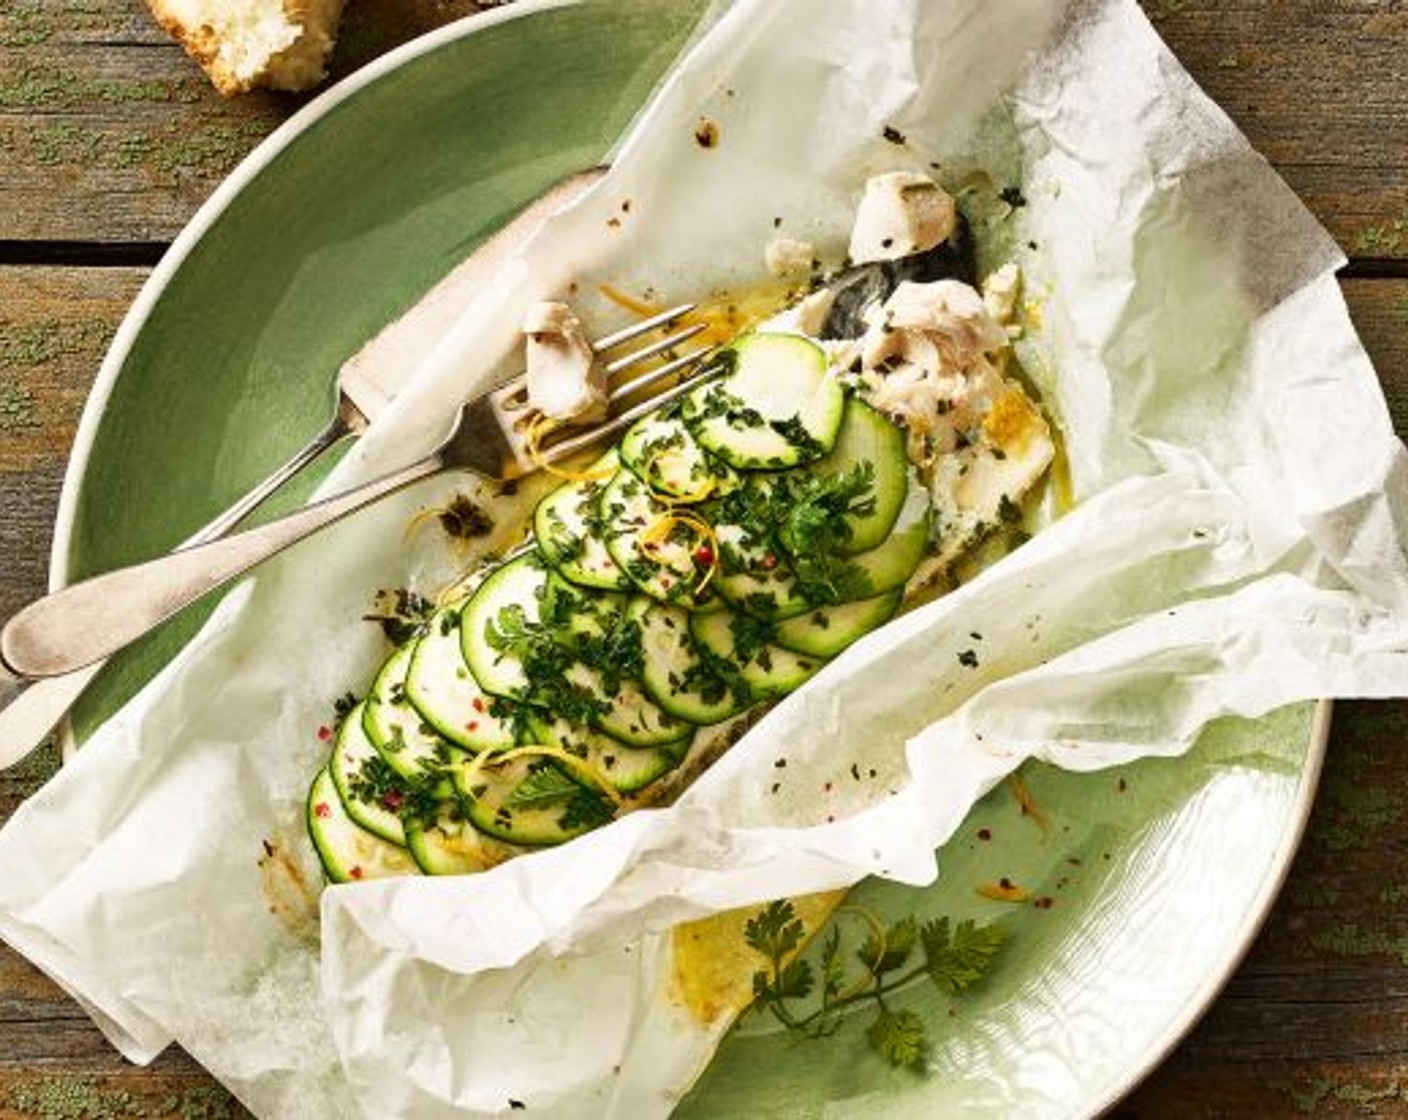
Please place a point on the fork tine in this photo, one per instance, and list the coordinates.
(655, 376)
(637, 356)
(645, 326)
(625, 334)
(620, 423)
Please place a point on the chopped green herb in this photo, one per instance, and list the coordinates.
(816, 529)
(1008, 511)
(464, 518)
(401, 612)
(546, 785)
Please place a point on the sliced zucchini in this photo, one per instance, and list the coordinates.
(663, 551)
(576, 615)
(632, 716)
(353, 755)
(348, 852)
(768, 669)
(450, 845)
(676, 676)
(661, 451)
(625, 767)
(528, 800)
(570, 535)
(892, 563)
(866, 436)
(443, 690)
(411, 746)
(776, 407)
(826, 631)
(512, 595)
(755, 577)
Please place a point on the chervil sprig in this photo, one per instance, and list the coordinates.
(951, 957)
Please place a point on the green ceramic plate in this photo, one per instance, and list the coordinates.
(1157, 875)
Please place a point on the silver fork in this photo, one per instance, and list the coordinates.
(365, 385)
(91, 620)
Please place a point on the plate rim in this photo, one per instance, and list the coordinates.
(1200, 1000)
(244, 173)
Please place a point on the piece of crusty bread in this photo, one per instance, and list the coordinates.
(245, 44)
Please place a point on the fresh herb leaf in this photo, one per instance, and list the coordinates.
(342, 708)
(544, 786)
(401, 612)
(794, 980)
(464, 518)
(587, 808)
(899, 1038)
(958, 960)
(954, 958)
(375, 783)
(1008, 511)
(545, 663)
(795, 432)
(775, 930)
(816, 530)
(899, 942)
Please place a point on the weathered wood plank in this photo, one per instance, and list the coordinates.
(1313, 1020)
(55, 325)
(94, 100)
(1379, 309)
(174, 1090)
(1322, 91)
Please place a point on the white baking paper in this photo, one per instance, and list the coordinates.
(1237, 545)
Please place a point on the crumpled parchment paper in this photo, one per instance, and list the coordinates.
(1237, 545)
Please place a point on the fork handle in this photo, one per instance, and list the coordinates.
(224, 523)
(91, 620)
(30, 717)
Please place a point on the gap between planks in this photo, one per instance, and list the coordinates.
(82, 254)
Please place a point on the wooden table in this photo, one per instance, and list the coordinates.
(109, 139)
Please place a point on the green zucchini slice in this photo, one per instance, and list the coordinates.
(677, 675)
(866, 436)
(348, 852)
(512, 597)
(776, 407)
(826, 631)
(741, 641)
(890, 564)
(354, 756)
(663, 551)
(661, 451)
(530, 800)
(570, 535)
(627, 768)
(442, 689)
(451, 845)
(411, 746)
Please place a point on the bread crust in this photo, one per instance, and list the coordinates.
(300, 65)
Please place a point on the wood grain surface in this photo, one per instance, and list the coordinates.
(109, 139)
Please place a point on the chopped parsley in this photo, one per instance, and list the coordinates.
(546, 785)
(464, 518)
(401, 612)
(1008, 511)
(545, 663)
(816, 529)
(795, 432)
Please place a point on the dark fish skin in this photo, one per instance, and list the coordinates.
(859, 286)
